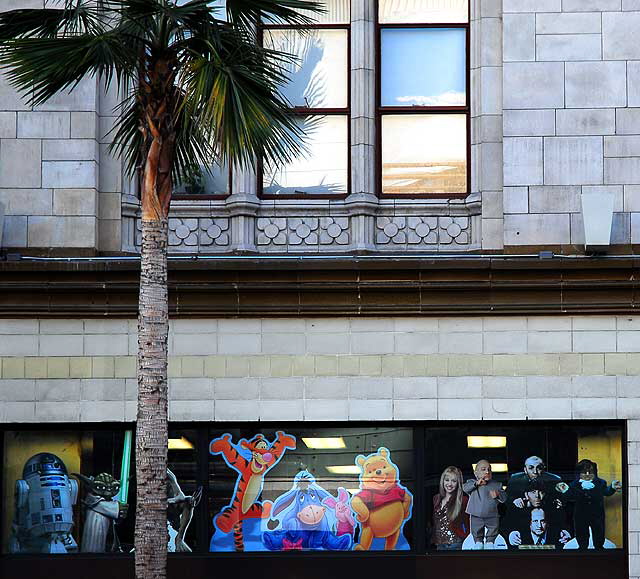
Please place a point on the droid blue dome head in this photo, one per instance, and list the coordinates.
(44, 463)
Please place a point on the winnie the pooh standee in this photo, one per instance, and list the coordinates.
(383, 504)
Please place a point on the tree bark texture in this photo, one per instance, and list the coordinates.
(151, 428)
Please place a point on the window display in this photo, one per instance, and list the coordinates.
(63, 492)
(556, 499)
(522, 487)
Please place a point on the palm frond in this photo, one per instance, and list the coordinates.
(247, 13)
(47, 66)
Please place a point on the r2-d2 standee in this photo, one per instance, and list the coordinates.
(44, 507)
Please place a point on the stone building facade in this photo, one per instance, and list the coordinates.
(364, 308)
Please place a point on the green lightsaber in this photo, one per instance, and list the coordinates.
(124, 470)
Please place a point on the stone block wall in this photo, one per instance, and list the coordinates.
(570, 117)
(59, 188)
(337, 369)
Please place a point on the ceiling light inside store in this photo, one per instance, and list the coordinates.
(486, 441)
(344, 469)
(324, 443)
(495, 467)
(180, 444)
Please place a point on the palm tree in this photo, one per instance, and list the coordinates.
(197, 88)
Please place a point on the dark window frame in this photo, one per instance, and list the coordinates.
(380, 110)
(313, 111)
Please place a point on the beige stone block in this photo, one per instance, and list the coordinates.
(593, 364)
(570, 364)
(125, 367)
(470, 365)
(633, 364)
(331, 410)
(348, 365)
(20, 161)
(110, 234)
(102, 411)
(215, 366)
(288, 344)
(549, 409)
(58, 411)
(504, 365)
(615, 364)
(26, 201)
(594, 386)
(103, 389)
(326, 365)
(131, 411)
(370, 365)
(236, 367)
(17, 390)
(459, 409)
(259, 366)
(192, 366)
(202, 389)
(549, 386)
(543, 365)
(437, 365)
(415, 387)
(370, 409)
(504, 386)
(191, 410)
(58, 367)
(18, 412)
(415, 366)
(103, 367)
(460, 387)
(504, 409)
(415, 409)
(460, 343)
(392, 365)
(282, 366)
(281, 388)
(326, 387)
(84, 125)
(130, 388)
(279, 410)
(13, 368)
(593, 408)
(304, 366)
(57, 390)
(74, 202)
(174, 367)
(628, 408)
(35, 367)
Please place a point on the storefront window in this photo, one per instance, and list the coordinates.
(554, 488)
(523, 487)
(67, 492)
(312, 489)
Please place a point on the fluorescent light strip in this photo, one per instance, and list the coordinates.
(180, 444)
(486, 441)
(344, 469)
(324, 443)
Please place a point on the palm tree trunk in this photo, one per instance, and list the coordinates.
(151, 429)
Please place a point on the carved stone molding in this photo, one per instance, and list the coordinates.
(414, 231)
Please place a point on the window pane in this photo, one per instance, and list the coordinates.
(423, 11)
(423, 67)
(184, 492)
(323, 169)
(337, 12)
(557, 483)
(424, 154)
(319, 77)
(212, 182)
(62, 492)
(313, 483)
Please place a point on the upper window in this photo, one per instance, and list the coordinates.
(318, 91)
(423, 103)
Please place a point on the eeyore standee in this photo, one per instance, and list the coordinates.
(304, 522)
